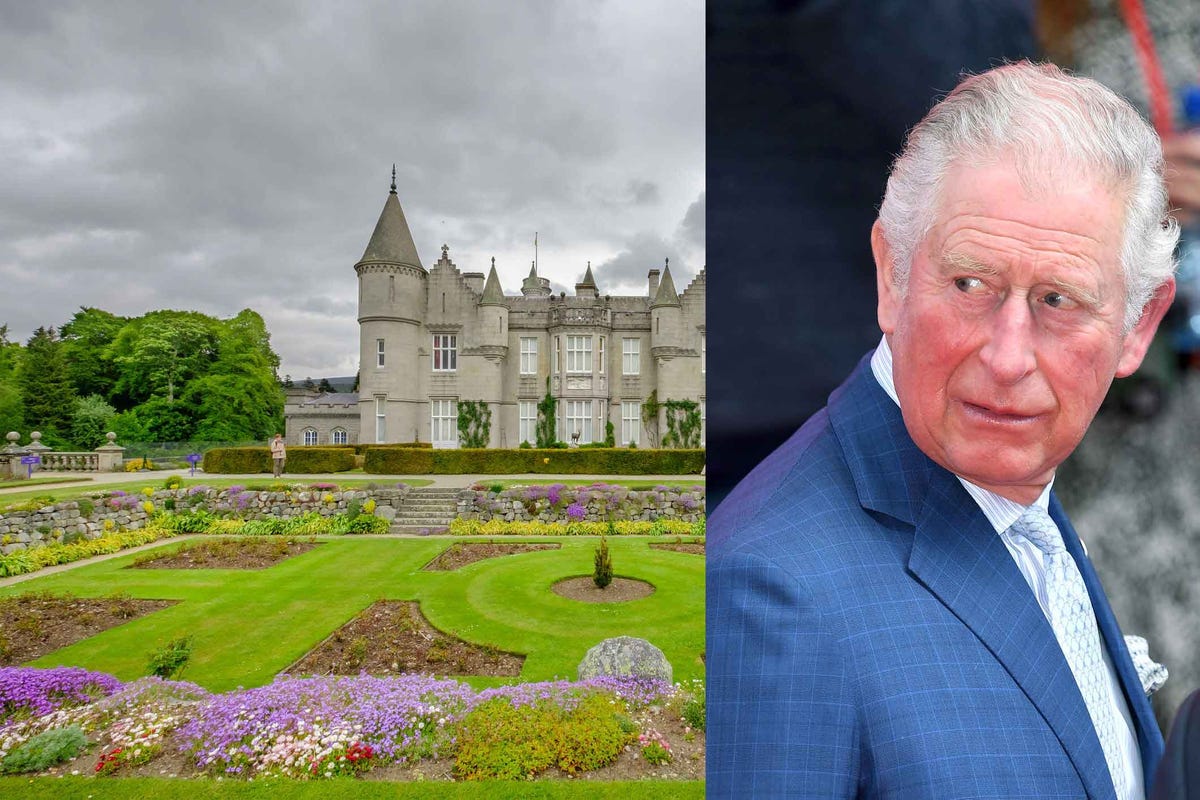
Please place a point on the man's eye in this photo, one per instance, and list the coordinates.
(968, 284)
(1056, 300)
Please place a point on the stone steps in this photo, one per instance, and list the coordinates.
(425, 511)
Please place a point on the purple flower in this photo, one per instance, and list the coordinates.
(36, 692)
(576, 511)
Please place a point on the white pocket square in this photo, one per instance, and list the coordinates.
(1152, 674)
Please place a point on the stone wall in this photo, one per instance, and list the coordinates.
(67, 521)
(597, 503)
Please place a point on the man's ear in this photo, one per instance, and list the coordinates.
(885, 283)
(1137, 341)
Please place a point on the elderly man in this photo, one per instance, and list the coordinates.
(898, 606)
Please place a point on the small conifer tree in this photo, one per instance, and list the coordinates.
(603, 574)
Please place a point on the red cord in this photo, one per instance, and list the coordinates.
(1156, 86)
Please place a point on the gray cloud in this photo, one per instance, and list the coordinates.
(233, 155)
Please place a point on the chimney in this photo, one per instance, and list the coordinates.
(654, 273)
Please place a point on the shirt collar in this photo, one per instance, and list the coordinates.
(1000, 511)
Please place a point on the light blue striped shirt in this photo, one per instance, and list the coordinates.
(1002, 513)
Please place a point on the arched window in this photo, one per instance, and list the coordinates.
(339, 436)
(310, 436)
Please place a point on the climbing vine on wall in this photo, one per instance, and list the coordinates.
(474, 424)
(683, 424)
(546, 430)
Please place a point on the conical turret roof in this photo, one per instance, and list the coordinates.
(392, 242)
(666, 296)
(493, 295)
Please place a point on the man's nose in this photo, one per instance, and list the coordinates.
(1009, 351)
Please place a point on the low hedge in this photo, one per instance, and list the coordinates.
(386, 460)
(300, 460)
(496, 527)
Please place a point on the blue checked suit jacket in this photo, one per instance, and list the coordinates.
(869, 634)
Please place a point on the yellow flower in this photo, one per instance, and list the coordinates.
(328, 498)
(148, 507)
(546, 460)
(369, 507)
(148, 492)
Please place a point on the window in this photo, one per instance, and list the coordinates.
(379, 352)
(445, 352)
(703, 352)
(600, 355)
(380, 419)
(631, 420)
(703, 424)
(310, 436)
(579, 354)
(527, 431)
(528, 355)
(631, 356)
(339, 437)
(558, 354)
(445, 423)
(579, 418)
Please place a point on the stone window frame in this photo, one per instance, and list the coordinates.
(448, 418)
(579, 354)
(310, 437)
(527, 421)
(339, 436)
(578, 411)
(445, 352)
(529, 355)
(631, 355)
(631, 423)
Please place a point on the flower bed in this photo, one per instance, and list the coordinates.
(495, 527)
(598, 502)
(328, 727)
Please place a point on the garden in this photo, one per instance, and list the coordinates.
(303, 656)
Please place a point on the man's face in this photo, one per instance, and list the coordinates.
(1009, 331)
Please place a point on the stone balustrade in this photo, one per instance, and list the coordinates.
(106, 458)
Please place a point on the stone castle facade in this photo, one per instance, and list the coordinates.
(432, 338)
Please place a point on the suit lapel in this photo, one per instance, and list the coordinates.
(959, 558)
(1149, 737)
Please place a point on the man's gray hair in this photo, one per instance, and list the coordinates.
(1047, 120)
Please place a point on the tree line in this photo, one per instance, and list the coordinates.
(166, 376)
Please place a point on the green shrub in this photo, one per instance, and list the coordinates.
(693, 711)
(387, 460)
(86, 507)
(237, 460)
(498, 740)
(524, 446)
(602, 575)
(173, 482)
(168, 661)
(45, 750)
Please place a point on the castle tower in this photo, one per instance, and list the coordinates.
(533, 286)
(493, 316)
(391, 310)
(587, 286)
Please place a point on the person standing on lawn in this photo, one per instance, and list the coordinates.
(278, 453)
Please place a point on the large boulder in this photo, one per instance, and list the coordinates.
(385, 512)
(625, 655)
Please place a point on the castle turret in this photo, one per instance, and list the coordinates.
(666, 314)
(493, 315)
(533, 286)
(587, 286)
(391, 308)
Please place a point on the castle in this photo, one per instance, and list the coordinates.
(430, 338)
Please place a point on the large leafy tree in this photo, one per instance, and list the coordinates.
(87, 338)
(157, 354)
(12, 416)
(46, 391)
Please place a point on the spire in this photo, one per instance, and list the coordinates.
(667, 296)
(587, 286)
(393, 179)
(588, 280)
(392, 242)
(532, 269)
(493, 295)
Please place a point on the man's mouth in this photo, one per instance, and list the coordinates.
(995, 414)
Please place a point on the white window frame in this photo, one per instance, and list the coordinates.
(527, 421)
(631, 422)
(558, 354)
(339, 436)
(443, 422)
(578, 417)
(703, 353)
(445, 352)
(529, 353)
(579, 354)
(310, 437)
(631, 356)
(379, 353)
(600, 356)
(380, 419)
(703, 423)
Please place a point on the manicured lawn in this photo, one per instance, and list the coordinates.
(40, 482)
(166, 789)
(249, 625)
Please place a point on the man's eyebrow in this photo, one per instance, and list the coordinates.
(953, 261)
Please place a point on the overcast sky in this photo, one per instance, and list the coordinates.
(237, 154)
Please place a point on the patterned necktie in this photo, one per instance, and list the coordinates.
(1074, 623)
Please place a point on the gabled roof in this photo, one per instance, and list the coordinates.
(666, 296)
(392, 242)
